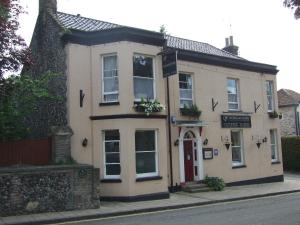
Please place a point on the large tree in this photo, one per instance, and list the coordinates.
(13, 50)
(294, 5)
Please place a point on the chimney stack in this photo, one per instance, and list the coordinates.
(230, 47)
(48, 5)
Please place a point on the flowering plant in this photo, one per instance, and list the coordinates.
(148, 106)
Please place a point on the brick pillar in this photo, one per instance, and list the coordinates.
(61, 143)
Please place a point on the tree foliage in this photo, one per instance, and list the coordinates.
(13, 50)
(294, 5)
(19, 98)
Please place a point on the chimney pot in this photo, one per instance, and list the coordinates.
(231, 40)
(230, 47)
(226, 42)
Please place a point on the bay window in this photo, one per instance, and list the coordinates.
(110, 82)
(146, 153)
(111, 144)
(143, 77)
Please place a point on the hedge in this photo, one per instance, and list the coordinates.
(291, 153)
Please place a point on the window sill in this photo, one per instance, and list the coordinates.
(276, 162)
(142, 179)
(108, 180)
(108, 103)
(238, 167)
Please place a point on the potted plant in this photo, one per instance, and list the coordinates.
(148, 106)
(191, 111)
(273, 114)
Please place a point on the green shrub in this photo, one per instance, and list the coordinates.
(291, 153)
(215, 183)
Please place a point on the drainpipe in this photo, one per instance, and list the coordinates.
(297, 121)
(169, 134)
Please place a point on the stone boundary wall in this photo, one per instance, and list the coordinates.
(37, 189)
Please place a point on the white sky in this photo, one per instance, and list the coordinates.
(264, 30)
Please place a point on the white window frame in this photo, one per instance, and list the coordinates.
(270, 83)
(104, 156)
(155, 173)
(234, 163)
(189, 99)
(274, 131)
(117, 69)
(237, 93)
(148, 78)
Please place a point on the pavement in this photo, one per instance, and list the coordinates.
(177, 200)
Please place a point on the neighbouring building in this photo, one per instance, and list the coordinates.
(108, 69)
(289, 107)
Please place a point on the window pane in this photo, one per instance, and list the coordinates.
(270, 102)
(273, 151)
(111, 84)
(111, 146)
(113, 169)
(182, 77)
(110, 73)
(145, 140)
(112, 158)
(143, 88)
(111, 97)
(235, 139)
(187, 103)
(272, 135)
(142, 66)
(232, 98)
(110, 62)
(233, 106)
(231, 86)
(145, 162)
(112, 135)
(186, 94)
(236, 154)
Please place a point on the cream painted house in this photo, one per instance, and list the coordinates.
(110, 68)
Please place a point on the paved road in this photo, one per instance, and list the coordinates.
(278, 210)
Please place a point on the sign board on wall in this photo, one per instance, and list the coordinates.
(207, 153)
(232, 121)
(169, 63)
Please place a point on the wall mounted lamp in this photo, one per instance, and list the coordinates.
(226, 142)
(84, 142)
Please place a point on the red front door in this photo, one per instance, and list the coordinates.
(188, 160)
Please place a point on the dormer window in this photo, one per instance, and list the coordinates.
(143, 77)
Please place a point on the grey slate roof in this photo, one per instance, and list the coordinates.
(89, 25)
(185, 44)
(83, 24)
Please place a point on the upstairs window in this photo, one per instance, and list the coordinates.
(186, 90)
(110, 88)
(143, 77)
(233, 94)
(270, 95)
(112, 168)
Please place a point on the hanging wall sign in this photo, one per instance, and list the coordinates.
(169, 63)
(232, 121)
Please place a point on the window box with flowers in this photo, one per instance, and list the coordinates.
(274, 115)
(191, 111)
(148, 106)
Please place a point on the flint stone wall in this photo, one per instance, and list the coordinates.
(288, 123)
(40, 189)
